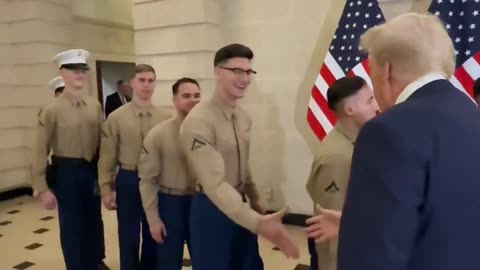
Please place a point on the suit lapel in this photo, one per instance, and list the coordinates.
(121, 97)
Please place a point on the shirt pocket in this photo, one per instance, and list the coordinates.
(92, 117)
(129, 132)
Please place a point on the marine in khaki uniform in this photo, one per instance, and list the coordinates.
(122, 137)
(166, 185)
(69, 126)
(56, 85)
(215, 137)
(352, 101)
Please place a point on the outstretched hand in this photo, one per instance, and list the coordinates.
(272, 229)
(325, 225)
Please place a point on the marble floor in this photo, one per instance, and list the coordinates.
(29, 239)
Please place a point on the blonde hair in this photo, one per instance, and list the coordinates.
(141, 68)
(413, 44)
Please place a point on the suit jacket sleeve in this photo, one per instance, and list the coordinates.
(109, 106)
(385, 194)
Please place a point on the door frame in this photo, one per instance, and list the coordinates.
(98, 66)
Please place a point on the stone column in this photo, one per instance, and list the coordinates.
(32, 32)
(178, 38)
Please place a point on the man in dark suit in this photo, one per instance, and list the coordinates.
(414, 194)
(118, 98)
(476, 90)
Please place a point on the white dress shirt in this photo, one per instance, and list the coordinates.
(417, 84)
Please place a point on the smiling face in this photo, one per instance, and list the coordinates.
(362, 106)
(352, 100)
(186, 97)
(234, 76)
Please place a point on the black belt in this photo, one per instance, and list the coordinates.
(174, 191)
(128, 167)
(68, 161)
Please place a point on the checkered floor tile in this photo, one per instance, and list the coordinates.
(29, 239)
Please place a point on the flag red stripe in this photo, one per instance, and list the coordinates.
(366, 67)
(477, 57)
(322, 103)
(331, 69)
(327, 75)
(315, 125)
(465, 79)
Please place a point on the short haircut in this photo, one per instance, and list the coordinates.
(177, 84)
(141, 68)
(414, 44)
(476, 87)
(232, 51)
(343, 88)
(120, 82)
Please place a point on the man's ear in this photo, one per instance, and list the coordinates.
(387, 72)
(216, 71)
(347, 107)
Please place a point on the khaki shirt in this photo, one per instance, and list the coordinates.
(122, 138)
(163, 166)
(216, 139)
(328, 183)
(68, 128)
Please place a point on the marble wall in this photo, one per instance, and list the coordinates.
(32, 31)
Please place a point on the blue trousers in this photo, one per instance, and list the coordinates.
(78, 212)
(219, 243)
(131, 223)
(313, 254)
(100, 235)
(99, 231)
(174, 211)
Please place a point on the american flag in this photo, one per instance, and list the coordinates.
(461, 19)
(344, 58)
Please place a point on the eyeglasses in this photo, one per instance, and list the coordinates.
(239, 71)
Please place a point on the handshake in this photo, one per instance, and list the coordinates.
(324, 226)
